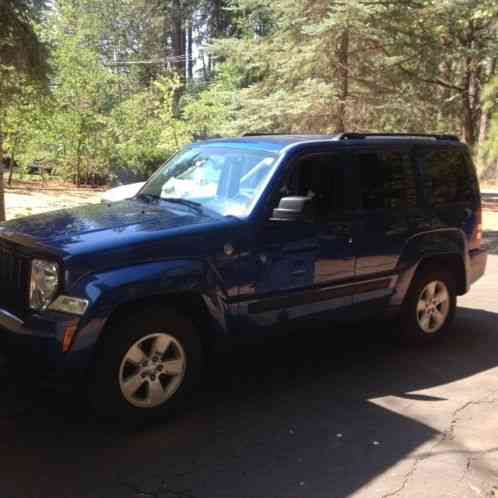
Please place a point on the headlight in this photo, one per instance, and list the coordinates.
(44, 283)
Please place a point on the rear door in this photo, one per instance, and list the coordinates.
(387, 214)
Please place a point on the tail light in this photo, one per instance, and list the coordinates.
(475, 242)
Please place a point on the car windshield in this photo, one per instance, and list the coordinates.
(225, 179)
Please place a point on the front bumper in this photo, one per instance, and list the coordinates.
(36, 342)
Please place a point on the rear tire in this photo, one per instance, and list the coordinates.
(147, 366)
(429, 307)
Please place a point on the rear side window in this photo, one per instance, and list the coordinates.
(447, 176)
(387, 180)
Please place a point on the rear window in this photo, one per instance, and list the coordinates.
(387, 180)
(448, 177)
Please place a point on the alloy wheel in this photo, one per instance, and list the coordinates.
(433, 306)
(152, 370)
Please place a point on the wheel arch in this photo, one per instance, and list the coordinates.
(189, 304)
(441, 249)
(189, 287)
(452, 262)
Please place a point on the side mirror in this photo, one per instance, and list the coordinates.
(294, 209)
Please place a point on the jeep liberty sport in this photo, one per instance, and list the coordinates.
(231, 237)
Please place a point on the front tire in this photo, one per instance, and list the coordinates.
(147, 365)
(429, 307)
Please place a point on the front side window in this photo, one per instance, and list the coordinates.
(224, 179)
(321, 177)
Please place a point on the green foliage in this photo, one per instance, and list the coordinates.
(22, 54)
(124, 94)
(23, 122)
(326, 66)
(143, 130)
(174, 132)
(83, 93)
(134, 132)
(212, 111)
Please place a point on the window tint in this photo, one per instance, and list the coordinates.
(386, 180)
(447, 177)
(321, 176)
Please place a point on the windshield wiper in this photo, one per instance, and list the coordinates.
(147, 197)
(196, 206)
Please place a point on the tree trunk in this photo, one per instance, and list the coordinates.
(468, 122)
(470, 126)
(78, 164)
(486, 115)
(205, 69)
(2, 196)
(343, 73)
(11, 170)
(178, 38)
(178, 45)
(473, 77)
(190, 62)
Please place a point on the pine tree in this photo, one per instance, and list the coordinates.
(22, 56)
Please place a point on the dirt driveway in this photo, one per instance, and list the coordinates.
(31, 197)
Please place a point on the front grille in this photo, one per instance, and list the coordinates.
(14, 273)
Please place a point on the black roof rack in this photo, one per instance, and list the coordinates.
(260, 134)
(362, 136)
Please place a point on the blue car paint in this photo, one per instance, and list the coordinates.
(120, 253)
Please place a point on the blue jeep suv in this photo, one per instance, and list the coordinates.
(231, 238)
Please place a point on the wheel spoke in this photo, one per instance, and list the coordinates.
(136, 355)
(438, 317)
(156, 393)
(431, 290)
(160, 345)
(173, 367)
(133, 383)
(421, 305)
(441, 296)
(425, 321)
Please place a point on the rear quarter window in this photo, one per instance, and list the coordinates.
(448, 177)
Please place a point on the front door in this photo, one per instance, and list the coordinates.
(296, 269)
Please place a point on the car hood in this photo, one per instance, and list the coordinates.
(101, 227)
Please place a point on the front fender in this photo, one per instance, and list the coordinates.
(420, 248)
(106, 291)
